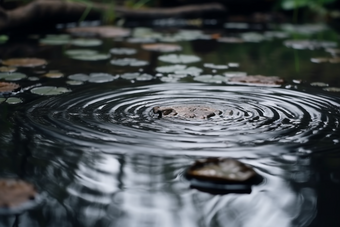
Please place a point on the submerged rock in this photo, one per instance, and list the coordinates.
(15, 194)
(222, 175)
(186, 112)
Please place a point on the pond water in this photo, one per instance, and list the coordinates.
(82, 129)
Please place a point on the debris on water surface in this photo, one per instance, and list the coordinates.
(8, 87)
(15, 193)
(186, 112)
(25, 62)
(101, 31)
(222, 175)
(256, 80)
(162, 47)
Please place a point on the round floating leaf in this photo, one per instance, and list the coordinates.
(79, 77)
(3, 38)
(193, 71)
(48, 90)
(141, 40)
(144, 77)
(80, 52)
(74, 82)
(226, 170)
(170, 68)
(319, 84)
(7, 69)
(309, 44)
(101, 77)
(213, 66)
(12, 76)
(33, 78)
(102, 31)
(210, 78)
(180, 58)
(25, 62)
(233, 64)
(56, 39)
(15, 194)
(54, 74)
(130, 76)
(162, 47)
(94, 57)
(123, 51)
(230, 40)
(87, 42)
(8, 87)
(2, 100)
(13, 100)
(235, 74)
(128, 62)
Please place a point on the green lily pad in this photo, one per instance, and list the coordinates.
(101, 77)
(87, 42)
(123, 51)
(144, 77)
(56, 39)
(13, 100)
(179, 58)
(79, 77)
(3, 38)
(213, 66)
(12, 76)
(130, 76)
(7, 69)
(94, 57)
(332, 89)
(210, 78)
(128, 62)
(74, 82)
(49, 90)
(2, 100)
(170, 68)
(73, 52)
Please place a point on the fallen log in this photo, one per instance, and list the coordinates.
(45, 13)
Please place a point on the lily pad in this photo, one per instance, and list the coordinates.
(162, 47)
(15, 194)
(8, 87)
(54, 74)
(87, 42)
(7, 69)
(309, 44)
(123, 51)
(137, 76)
(12, 76)
(235, 74)
(25, 62)
(170, 68)
(210, 78)
(2, 100)
(86, 55)
(257, 80)
(93, 77)
(128, 62)
(56, 39)
(49, 90)
(213, 66)
(186, 111)
(13, 100)
(230, 40)
(101, 31)
(332, 89)
(179, 58)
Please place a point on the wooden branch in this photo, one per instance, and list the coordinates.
(42, 13)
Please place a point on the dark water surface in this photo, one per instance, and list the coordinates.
(100, 157)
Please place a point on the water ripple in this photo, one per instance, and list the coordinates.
(253, 118)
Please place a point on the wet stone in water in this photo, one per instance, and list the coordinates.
(222, 175)
(14, 193)
(186, 112)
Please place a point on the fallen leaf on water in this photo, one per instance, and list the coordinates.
(14, 193)
(25, 62)
(162, 47)
(8, 87)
